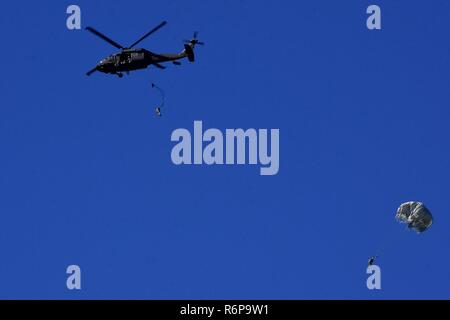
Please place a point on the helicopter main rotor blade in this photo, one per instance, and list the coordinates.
(159, 26)
(91, 71)
(102, 36)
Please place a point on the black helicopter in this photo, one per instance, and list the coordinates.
(130, 59)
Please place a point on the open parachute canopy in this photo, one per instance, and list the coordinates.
(415, 215)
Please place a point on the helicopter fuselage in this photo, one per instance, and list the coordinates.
(134, 59)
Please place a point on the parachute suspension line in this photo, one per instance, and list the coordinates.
(163, 96)
(158, 108)
(386, 242)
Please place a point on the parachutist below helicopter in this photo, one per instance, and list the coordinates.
(130, 59)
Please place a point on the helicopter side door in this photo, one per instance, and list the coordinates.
(136, 56)
(138, 59)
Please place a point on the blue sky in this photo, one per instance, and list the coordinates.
(86, 175)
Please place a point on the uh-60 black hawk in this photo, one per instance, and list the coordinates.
(129, 59)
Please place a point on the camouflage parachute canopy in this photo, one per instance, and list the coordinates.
(415, 214)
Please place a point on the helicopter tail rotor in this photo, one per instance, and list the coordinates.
(189, 46)
(194, 41)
